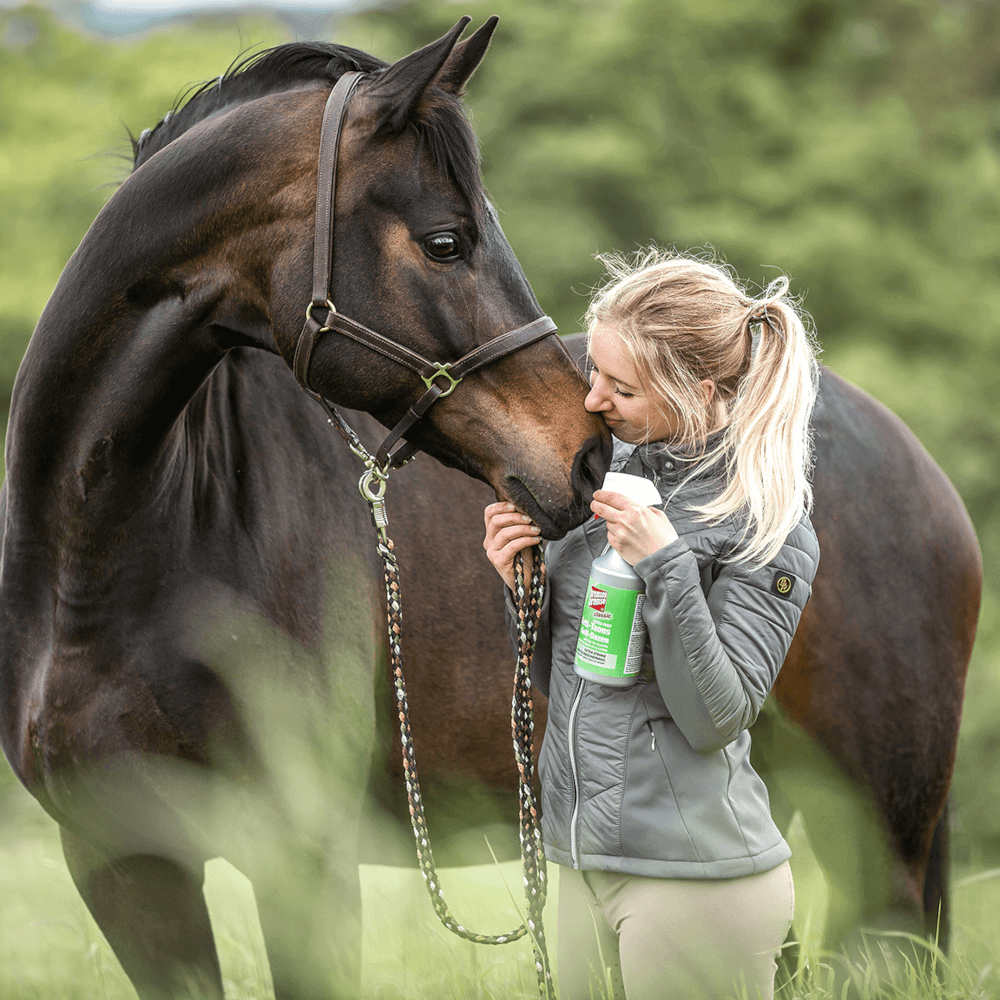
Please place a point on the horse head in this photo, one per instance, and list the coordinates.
(419, 256)
(208, 246)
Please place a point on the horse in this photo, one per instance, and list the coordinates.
(189, 634)
(859, 736)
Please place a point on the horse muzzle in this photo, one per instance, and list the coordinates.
(553, 517)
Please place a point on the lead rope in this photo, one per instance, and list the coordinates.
(522, 721)
(528, 602)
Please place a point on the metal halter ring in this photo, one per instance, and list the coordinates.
(329, 305)
(442, 369)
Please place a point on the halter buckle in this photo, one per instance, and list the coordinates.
(441, 371)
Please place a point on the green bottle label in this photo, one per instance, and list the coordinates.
(612, 632)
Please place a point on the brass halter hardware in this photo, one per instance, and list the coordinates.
(442, 371)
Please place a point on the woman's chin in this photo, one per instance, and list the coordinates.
(625, 434)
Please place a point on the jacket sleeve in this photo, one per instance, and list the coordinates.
(541, 659)
(716, 656)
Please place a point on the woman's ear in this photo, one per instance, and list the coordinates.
(708, 388)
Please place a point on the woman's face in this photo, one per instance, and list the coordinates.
(617, 395)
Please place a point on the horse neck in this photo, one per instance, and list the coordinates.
(94, 415)
(147, 307)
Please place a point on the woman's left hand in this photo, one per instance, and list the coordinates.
(634, 531)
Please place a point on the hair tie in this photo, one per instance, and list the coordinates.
(758, 307)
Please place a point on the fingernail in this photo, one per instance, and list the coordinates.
(535, 529)
(524, 517)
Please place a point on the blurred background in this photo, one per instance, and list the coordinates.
(853, 146)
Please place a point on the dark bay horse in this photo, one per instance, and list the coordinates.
(861, 732)
(189, 625)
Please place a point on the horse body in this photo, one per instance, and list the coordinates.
(875, 677)
(188, 631)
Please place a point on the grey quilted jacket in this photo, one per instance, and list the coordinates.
(655, 779)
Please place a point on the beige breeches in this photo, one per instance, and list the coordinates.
(671, 938)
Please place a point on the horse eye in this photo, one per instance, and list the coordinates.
(441, 246)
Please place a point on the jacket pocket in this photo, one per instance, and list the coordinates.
(652, 821)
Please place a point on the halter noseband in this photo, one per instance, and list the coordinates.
(440, 379)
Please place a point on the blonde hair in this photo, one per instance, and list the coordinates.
(683, 319)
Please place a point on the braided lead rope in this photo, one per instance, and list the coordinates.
(529, 606)
(529, 610)
(530, 835)
(425, 856)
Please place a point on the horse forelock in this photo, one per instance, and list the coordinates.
(254, 75)
(443, 130)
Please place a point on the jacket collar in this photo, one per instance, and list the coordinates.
(661, 463)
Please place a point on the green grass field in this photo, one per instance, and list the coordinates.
(50, 949)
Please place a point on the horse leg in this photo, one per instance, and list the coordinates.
(937, 889)
(868, 883)
(309, 903)
(153, 914)
(868, 886)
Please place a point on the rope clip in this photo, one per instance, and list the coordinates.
(372, 487)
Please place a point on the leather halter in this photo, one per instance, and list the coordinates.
(440, 379)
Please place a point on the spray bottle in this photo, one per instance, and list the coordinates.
(612, 633)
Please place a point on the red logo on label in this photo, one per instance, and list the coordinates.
(598, 599)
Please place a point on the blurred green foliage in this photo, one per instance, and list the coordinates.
(854, 146)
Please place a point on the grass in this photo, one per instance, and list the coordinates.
(50, 948)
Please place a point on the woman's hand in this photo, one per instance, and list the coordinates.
(634, 531)
(508, 532)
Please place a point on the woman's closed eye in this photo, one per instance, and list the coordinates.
(594, 370)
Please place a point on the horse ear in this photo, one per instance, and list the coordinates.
(465, 57)
(402, 85)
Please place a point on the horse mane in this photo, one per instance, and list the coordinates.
(441, 126)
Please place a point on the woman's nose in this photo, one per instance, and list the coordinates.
(596, 399)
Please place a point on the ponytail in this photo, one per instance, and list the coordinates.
(768, 443)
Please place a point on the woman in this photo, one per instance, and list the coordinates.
(676, 881)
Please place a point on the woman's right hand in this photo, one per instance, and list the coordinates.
(508, 532)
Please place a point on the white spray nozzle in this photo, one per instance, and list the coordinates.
(636, 488)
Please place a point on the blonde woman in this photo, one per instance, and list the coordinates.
(676, 881)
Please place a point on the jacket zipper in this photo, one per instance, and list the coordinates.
(652, 735)
(571, 731)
